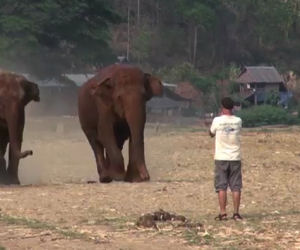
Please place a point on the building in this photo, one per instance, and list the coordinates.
(189, 92)
(57, 98)
(169, 104)
(260, 83)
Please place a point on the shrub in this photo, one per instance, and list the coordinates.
(187, 72)
(265, 115)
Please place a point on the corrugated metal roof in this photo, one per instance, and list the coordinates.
(260, 74)
(79, 79)
(188, 91)
(169, 100)
(164, 103)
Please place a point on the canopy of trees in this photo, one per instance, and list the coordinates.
(53, 36)
(50, 36)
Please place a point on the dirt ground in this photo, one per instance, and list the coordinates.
(55, 208)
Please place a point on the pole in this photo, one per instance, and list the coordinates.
(128, 31)
(138, 13)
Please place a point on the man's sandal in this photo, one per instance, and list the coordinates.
(237, 216)
(221, 217)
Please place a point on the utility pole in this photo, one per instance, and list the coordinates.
(157, 12)
(195, 44)
(128, 30)
(138, 13)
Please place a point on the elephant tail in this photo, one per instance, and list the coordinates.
(18, 154)
(24, 154)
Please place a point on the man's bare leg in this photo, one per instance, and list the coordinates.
(236, 197)
(222, 194)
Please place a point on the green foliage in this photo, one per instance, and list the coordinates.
(141, 47)
(35, 224)
(272, 98)
(233, 71)
(205, 84)
(52, 36)
(265, 115)
(187, 72)
(282, 15)
(181, 72)
(200, 13)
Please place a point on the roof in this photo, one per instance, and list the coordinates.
(172, 95)
(164, 103)
(188, 91)
(79, 79)
(169, 85)
(44, 83)
(260, 74)
(169, 100)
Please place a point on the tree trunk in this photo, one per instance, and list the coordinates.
(190, 52)
(195, 45)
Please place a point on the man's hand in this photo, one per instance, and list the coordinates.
(211, 134)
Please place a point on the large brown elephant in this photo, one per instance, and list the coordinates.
(15, 93)
(112, 108)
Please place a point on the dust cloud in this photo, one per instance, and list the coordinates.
(60, 152)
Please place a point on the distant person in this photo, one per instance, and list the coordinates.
(226, 128)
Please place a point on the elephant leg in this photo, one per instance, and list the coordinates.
(98, 150)
(135, 173)
(113, 153)
(117, 172)
(3, 145)
(121, 133)
(13, 166)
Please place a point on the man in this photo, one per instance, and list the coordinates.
(226, 128)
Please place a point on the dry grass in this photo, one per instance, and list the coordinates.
(180, 161)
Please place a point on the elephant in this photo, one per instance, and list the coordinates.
(15, 93)
(112, 109)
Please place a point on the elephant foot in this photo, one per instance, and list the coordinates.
(104, 176)
(105, 179)
(137, 176)
(12, 180)
(117, 175)
(4, 181)
(136, 179)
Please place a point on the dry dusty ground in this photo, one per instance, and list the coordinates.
(61, 211)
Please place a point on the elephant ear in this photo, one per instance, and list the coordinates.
(153, 86)
(103, 87)
(32, 92)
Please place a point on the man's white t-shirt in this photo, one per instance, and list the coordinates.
(227, 130)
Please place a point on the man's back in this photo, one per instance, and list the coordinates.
(227, 130)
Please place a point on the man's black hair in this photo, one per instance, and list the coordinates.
(227, 103)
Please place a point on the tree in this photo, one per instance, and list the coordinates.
(52, 36)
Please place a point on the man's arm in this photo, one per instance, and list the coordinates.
(212, 130)
(211, 134)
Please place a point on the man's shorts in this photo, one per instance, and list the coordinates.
(228, 173)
